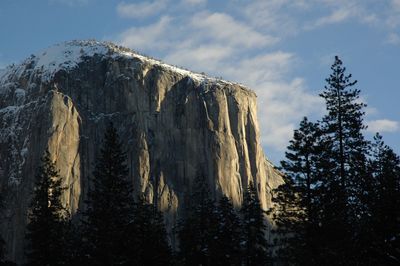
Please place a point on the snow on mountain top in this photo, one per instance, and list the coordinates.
(65, 55)
(68, 55)
(195, 76)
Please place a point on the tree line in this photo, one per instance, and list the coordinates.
(117, 229)
(339, 205)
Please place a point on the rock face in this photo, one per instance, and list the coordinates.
(175, 125)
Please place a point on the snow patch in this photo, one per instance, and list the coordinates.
(201, 78)
(100, 116)
(68, 55)
(8, 134)
(13, 120)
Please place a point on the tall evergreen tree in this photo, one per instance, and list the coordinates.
(225, 249)
(297, 200)
(150, 243)
(255, 246)
(74, 249)
(110, 204)
(384, 202)
(343, 127)
(339, 204)
(197, 230)
(47, 218)
(344, 122)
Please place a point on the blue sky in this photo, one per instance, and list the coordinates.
(282, 49)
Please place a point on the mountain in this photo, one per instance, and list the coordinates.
(175, 125)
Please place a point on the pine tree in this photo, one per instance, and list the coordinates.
(110, 204)
(150, 243)
(73, 244)
(339, 205)
(342, 127)
(384, 230)
(197, 230)
(225, 248)
(255, 246)
(47, 218)
(297, 200)
(344, 120)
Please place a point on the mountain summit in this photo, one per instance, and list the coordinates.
(68, 55)
(175, 125)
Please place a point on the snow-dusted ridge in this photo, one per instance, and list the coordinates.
(67, 55)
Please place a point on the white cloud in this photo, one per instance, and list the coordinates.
(194, 2)
(281, 107)
(383, 125)
(396, 4)
(393, 38)
(221, 27)
(201, 41)
(262, 68)
(272, 16)
(288, 18)
(148, 37)
(336, 16)
(202, 58)
(343, 11)
(392, 16)
(140, 10)
(71, 3)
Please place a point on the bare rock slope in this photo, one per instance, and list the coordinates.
(175, 125)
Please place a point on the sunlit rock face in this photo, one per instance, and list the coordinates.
(175, 125)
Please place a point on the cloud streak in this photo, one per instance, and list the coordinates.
(383, 125)
(140, 10)
(194, 2)
(393, 38)
(147, 37)
(336, 16)
(220, 27)
(71, 3)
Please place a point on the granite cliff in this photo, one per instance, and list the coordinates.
(175, 125)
